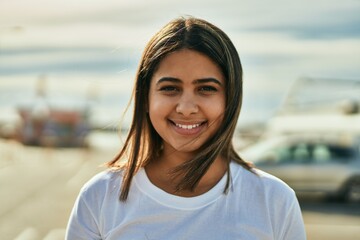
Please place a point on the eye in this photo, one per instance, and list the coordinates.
(207, 89)
(169, 89)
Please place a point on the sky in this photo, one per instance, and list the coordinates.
(99, 43)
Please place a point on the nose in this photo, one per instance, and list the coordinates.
(187, 106)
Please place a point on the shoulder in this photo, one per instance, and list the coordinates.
(104, 183)
(267, 196)
(86, 217)
(273, 184)
(263, 190)
(264, 185)
(282, 207)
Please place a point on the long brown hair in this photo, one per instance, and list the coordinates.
(143, 143)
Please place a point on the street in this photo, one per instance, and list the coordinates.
(327, 220)
(39, 187)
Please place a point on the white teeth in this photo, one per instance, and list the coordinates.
(187, 126)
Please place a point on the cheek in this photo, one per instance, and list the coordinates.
(156, 105)
(159, 109)
(216, 108)
(216, 111)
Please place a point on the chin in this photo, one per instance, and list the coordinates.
(188, 149)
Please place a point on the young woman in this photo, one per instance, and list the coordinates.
(178, 175)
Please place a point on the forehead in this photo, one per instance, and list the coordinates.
(188, 64)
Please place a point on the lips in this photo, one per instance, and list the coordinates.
(188, 128)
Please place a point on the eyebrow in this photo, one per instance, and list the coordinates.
(207, 80)
(168, 79)
(197, 81)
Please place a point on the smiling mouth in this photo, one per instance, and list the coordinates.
(188, 126)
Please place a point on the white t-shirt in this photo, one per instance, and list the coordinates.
(256, 207)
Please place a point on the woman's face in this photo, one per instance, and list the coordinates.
(186, 100)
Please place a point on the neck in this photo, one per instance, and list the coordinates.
(159, 173)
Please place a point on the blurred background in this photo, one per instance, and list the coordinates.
(66, 74)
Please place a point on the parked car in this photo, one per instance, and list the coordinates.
(322, 164)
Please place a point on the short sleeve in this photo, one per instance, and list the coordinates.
(293, 227)
(82, 223)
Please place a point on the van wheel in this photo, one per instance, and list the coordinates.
(353, 191)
